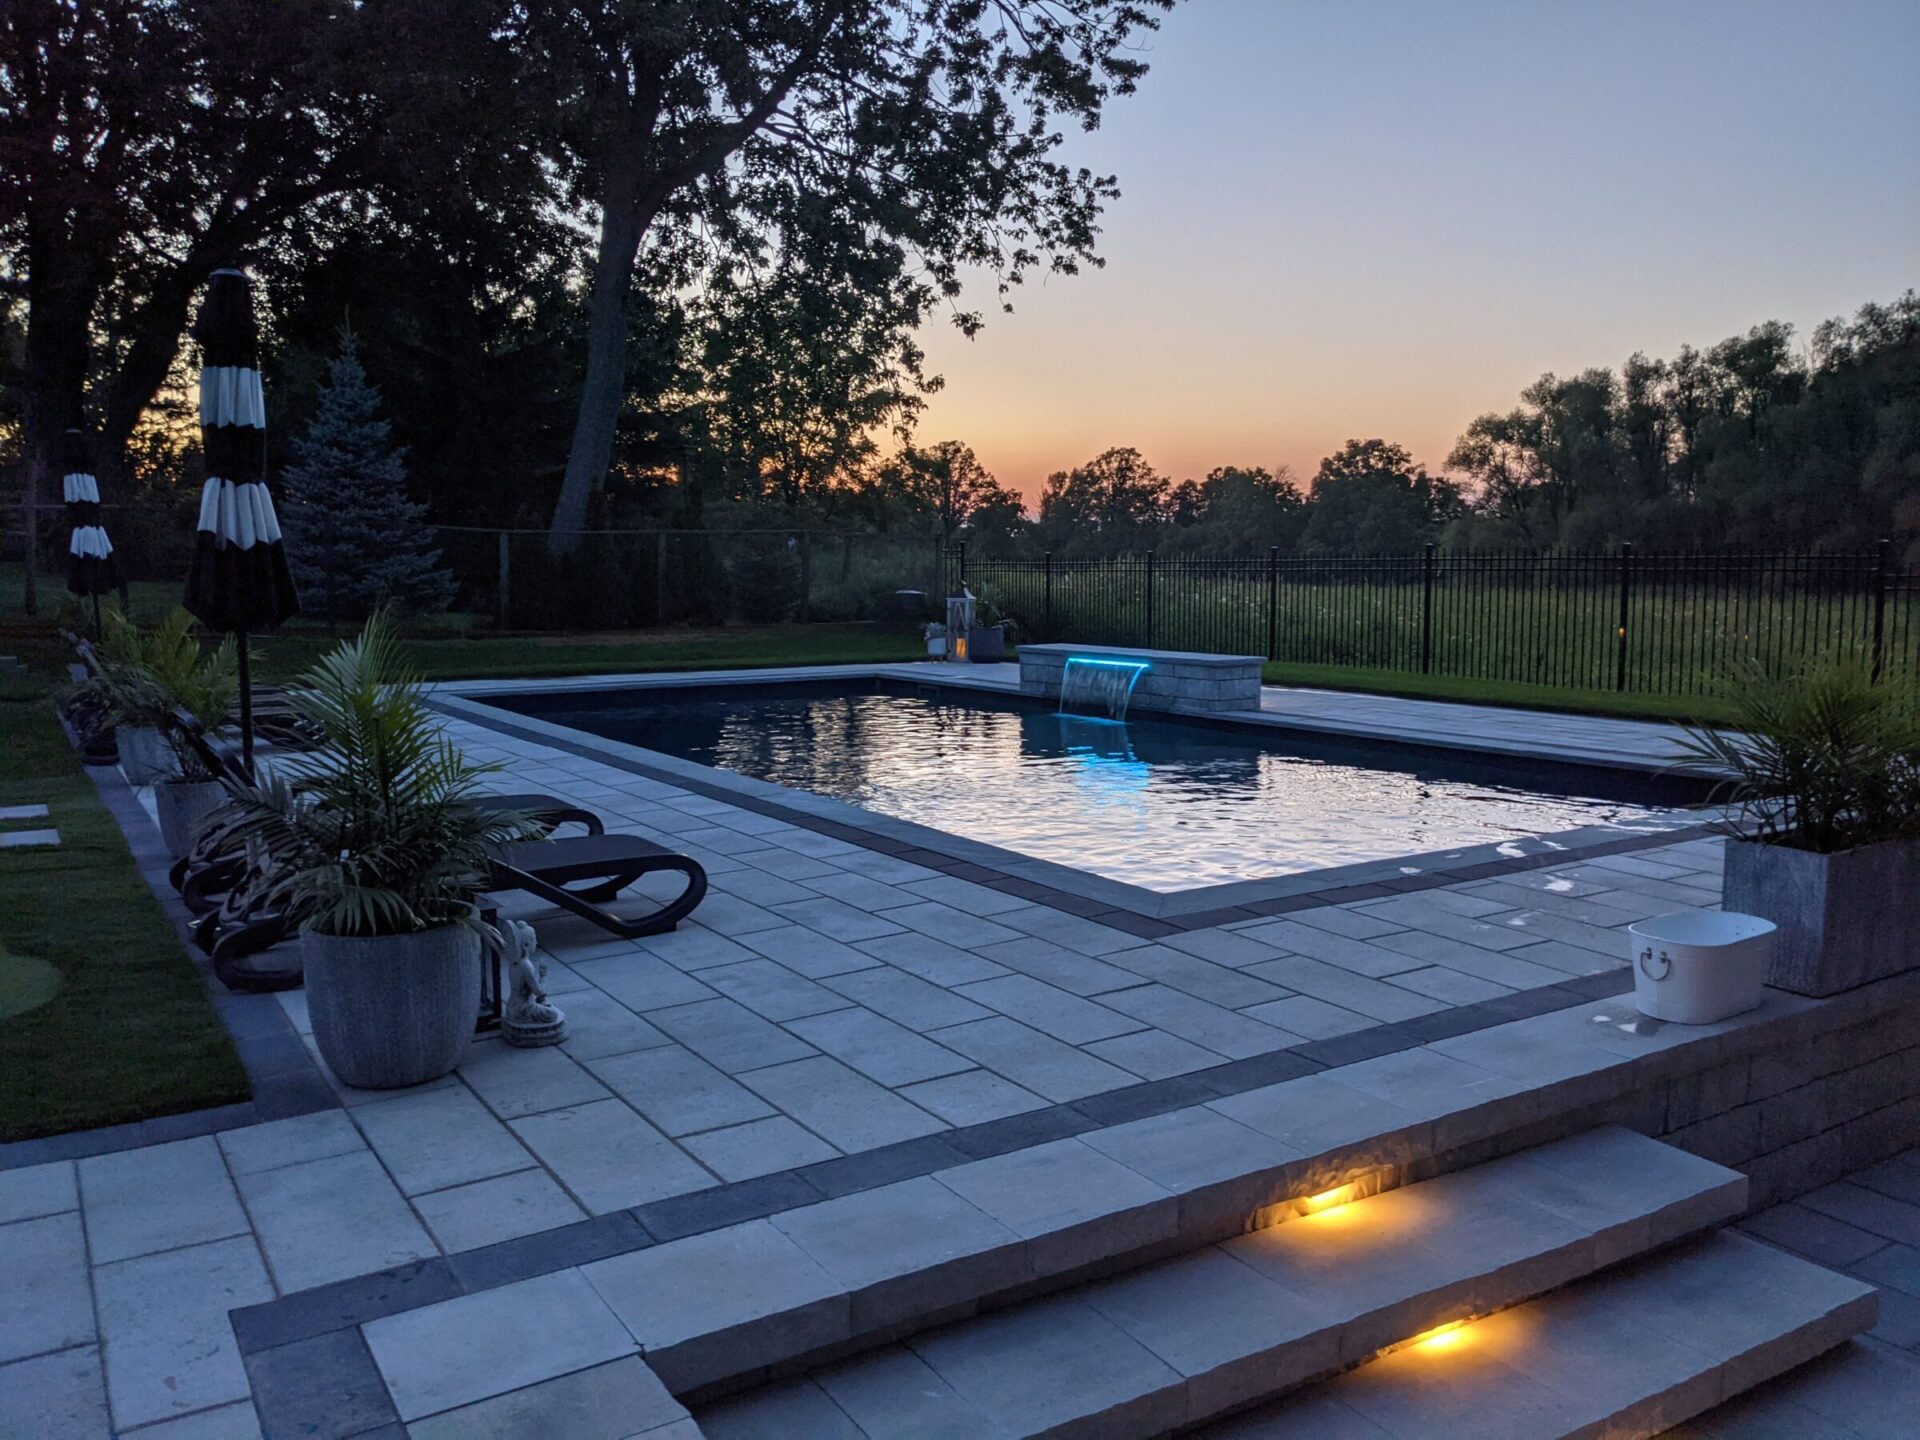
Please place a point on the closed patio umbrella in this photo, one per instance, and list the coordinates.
(238, 581)
(91, 568)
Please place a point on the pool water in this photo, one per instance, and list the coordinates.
(1156, 802)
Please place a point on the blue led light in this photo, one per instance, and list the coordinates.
(1115, 664)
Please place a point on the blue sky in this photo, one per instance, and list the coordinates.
(1381, 218)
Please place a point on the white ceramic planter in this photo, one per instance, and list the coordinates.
(392, 1010)
(1699, 966)
(144, 756)
(181, 805)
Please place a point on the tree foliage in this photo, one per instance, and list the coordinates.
(865, 152)
(1748, 442)
(355, 541)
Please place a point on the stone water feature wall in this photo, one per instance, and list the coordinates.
(1173, 680)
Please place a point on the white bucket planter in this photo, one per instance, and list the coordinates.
(180, 806)
(1699, 966)
(392, 1010)
(144, 755)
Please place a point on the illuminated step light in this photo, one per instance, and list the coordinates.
(1332, 1203)
(1442, 1337)
(1331, 1199)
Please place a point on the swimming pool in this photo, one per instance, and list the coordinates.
(1166, 804)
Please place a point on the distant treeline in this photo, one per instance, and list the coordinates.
(1751, 442)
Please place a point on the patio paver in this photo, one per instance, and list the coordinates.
(901, 961)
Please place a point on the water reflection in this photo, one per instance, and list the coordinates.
(1164, 805)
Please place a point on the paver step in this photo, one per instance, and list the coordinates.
(1631, 1352)
(1195, 1337)
(1864, 1389)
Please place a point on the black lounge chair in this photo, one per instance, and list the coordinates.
(203, 879)
(552, 870)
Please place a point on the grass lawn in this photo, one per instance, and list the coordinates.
(128, 1032)
(1628, 706)
(279, 656)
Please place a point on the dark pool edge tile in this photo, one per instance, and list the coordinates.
(345, 1303)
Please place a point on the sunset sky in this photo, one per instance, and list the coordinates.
(1382, 218)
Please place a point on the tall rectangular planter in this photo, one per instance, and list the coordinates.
(1844, 919)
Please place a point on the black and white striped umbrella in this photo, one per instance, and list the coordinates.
(91, 568)
(238, 580)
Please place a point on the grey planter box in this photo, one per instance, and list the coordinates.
(986, 644)
(1844, 919)
(392, 1010)
(181, 805)
(144, 754)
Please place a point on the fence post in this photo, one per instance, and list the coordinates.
(660, 577)
(806, 575)
(962, 551)
(1149, 639)
(1049, 594)
(1273, 602)
(1626, 603)
(506, 579)
(1881, 554)
(1426, 611)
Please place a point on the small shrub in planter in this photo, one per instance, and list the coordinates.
(203, 684)
(124, 692)
(376, 854)
(1824, 836)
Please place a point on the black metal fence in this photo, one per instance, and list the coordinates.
(639, 579)
(1664, 623)
(626, 579)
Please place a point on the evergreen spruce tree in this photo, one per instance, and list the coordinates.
(354, 539)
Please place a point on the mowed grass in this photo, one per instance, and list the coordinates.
(1558, 646)
(285, 654)
(1628, 705)
(129, 1033)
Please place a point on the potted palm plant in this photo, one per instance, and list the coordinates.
(182, 677)
(122, 686)
(1824, 829)
(377, 854)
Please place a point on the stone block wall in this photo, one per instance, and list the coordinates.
(1828, 1089)
(1174, 680)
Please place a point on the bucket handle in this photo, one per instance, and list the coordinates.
(1646, 964)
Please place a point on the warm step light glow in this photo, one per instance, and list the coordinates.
(1441, 1337)
(1330, 1199)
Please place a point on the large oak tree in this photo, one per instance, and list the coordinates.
(877, 150)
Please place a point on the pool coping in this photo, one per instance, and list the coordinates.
(1149, 914)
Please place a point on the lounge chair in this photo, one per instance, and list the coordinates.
(551, 870)
(201, 878)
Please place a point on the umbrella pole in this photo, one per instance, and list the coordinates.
(246, 703)
(98, 632)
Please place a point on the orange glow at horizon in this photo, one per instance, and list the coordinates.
(1382, 220)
